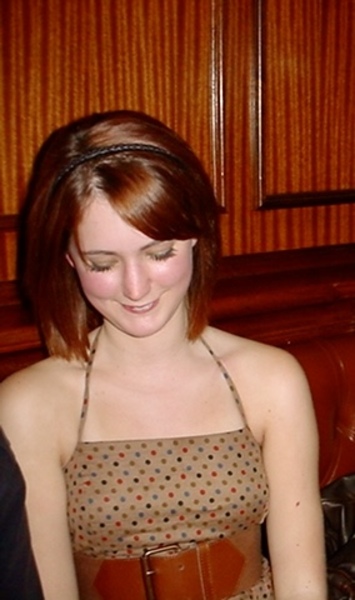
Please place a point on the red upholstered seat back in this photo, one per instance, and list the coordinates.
(329, 364)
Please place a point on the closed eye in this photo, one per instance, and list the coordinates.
(163, 255)
(99, 268)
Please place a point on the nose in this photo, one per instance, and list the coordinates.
(135, 280)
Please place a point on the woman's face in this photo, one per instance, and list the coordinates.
(136, 283)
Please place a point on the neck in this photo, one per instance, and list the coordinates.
(169, 344)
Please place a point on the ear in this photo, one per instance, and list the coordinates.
(194, 242)
(69, 259)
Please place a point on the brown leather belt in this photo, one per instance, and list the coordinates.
(214, 570)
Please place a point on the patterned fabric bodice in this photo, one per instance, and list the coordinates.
(125, 496)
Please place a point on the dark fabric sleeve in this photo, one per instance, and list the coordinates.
(338, 500)
(18, 573)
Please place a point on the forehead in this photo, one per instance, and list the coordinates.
(101, 227)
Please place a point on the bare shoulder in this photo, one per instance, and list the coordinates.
(41, 402)
(45, 379)
(236, 351)
(269, 380)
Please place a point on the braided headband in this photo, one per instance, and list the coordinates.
(109, 150)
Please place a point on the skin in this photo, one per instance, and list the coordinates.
(139, 286)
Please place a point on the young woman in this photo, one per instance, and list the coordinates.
(154, 446)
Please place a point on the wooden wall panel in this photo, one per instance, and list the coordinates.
(307, 53)
(61, 60)
(191, 63)
(245, 228)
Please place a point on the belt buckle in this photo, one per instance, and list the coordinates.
(147, 570)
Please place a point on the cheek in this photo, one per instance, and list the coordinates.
(177, 273)
(97, 285)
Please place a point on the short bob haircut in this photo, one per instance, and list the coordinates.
(156, 184)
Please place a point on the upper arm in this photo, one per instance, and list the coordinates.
(30, 425)
(290, 450)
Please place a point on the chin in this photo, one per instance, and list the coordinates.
(145, 327)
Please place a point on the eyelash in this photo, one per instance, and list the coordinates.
(156, 257)
(163, 255)
(97, 269)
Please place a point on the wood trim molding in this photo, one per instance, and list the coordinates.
(217, 101)
(284, 297)
(300, 199)
(273, 297)
(8, 223)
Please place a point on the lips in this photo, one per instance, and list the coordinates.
(140, 309)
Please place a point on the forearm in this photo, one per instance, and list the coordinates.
(315, 590)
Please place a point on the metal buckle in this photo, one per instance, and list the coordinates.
(147, 570)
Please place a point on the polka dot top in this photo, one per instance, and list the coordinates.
(124, 496)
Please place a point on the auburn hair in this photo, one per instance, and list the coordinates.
(156, 184)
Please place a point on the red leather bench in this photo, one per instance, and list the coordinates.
(329, 364)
